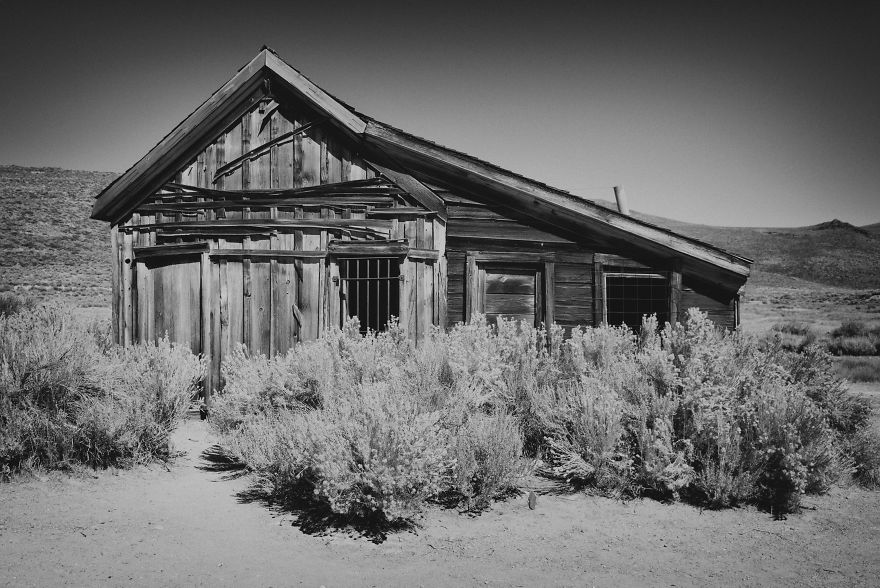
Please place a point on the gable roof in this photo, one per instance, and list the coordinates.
(421, 160)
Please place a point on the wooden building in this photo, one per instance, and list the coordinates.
(274, 211)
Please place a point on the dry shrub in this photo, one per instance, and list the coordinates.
(726, 477)
(256, 384)
(145, 391)
(687, 411)
(379, 455)
(793, 444)
(67, 399)
(865, 451)
(585, 443)
(396, 424)
(489, 461)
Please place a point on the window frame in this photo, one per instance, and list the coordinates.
(345, 282)
(541, 263)
(633, 273)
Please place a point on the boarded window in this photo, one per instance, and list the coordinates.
(370, 290)
(630, 296)
(514, 292)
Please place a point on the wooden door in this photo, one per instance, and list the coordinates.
(168, 300)
(258, 304)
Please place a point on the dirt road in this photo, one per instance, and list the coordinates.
(189, 526)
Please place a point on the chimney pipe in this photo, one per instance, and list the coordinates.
(620, 196)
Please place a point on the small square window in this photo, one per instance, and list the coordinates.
(371, 290)
(631, 296)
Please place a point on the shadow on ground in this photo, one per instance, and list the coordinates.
(216, 460)
(309, 515)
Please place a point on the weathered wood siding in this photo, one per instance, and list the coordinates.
(571, 268)
(721, 312)
(561, 268)
(235, 248)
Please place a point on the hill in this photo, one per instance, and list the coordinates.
(833, 253)
(50, 247)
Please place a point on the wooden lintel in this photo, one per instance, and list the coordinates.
(424, 254)
(267, 254)
(213, 233)
(176, 249)
(511, 256)
(368, 248)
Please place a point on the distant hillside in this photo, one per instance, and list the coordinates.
(834, 253)
(48, 244)
(50, 247)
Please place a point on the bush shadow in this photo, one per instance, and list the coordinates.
(313, 517)
(215, 459)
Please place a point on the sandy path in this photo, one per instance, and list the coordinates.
(187, 527)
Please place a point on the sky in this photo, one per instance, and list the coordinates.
(724, 113)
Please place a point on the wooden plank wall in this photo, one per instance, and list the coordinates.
(722, 313)
(567, 289)
(566, 268)
(469, 220)
(265, 302)
(574, 292)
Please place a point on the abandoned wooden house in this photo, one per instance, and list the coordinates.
(275, 211)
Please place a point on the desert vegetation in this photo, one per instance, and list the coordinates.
(854, 344)
(68, 397)
(376, 427)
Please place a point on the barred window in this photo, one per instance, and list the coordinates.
(630, 296)
(370, 290)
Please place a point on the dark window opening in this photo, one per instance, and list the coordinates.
(371, 291)
(631, 296)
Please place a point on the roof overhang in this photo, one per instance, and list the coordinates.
(424, 160)
(435, 163)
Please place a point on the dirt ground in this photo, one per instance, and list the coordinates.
(192, 525)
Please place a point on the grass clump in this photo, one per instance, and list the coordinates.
(794, 335)
(375, 427)
(68, 399)
(859, 369)
(11, 304)
(855, 338)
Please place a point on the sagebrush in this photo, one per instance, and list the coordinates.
(68, 397)
(375, 426)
